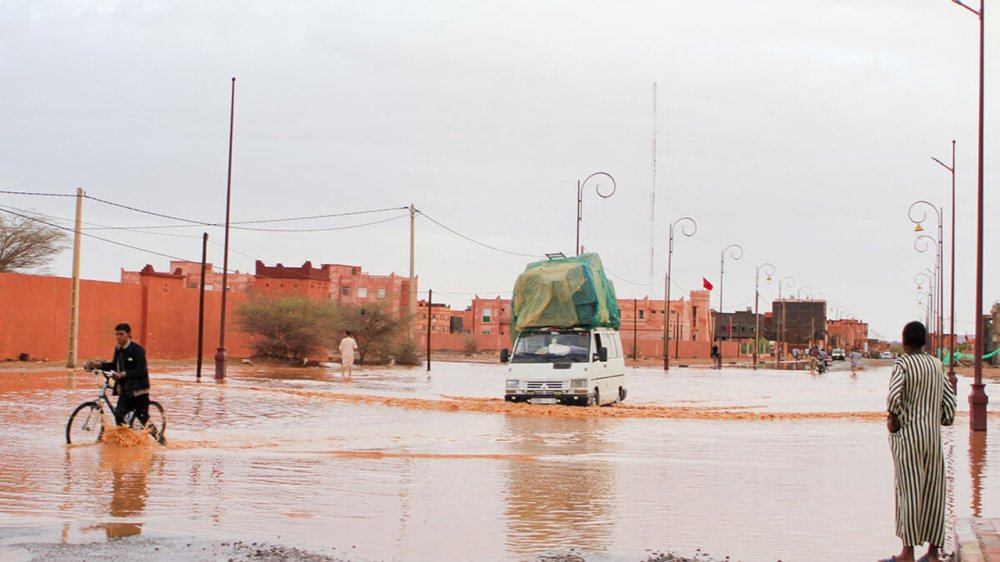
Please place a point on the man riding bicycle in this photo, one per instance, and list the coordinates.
(131, 375)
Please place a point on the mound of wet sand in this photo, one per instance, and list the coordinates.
(163, 550)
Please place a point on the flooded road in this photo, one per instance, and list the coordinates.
(402, 464)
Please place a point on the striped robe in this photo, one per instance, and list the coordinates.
(921, 396)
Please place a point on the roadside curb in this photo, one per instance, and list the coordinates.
(977, 540)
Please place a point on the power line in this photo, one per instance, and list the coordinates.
(154, 252)
(145, 212)
(483, 244)
(135, 230)
(39, 194)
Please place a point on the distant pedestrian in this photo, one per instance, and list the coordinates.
(347, 348)
(855, 360)
(920, 401)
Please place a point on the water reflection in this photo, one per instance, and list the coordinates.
(977, 465)
(566, 498)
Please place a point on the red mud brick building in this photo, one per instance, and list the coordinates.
(848, 333)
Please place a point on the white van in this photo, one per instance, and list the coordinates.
(583, 366)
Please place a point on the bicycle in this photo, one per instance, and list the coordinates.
(86, 423)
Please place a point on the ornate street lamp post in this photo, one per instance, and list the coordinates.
(951, 315)
(790, 282)
(686, 223)
(736, 252)
(921, 278)
(579, 199)
(769, 271)
(918, 216)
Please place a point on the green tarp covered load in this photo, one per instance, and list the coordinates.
(565, 293)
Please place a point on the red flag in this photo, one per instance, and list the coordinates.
(707, 285)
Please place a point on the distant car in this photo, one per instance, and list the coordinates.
(886, 355)
(838, 355)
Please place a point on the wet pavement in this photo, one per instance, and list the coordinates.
(401, 464)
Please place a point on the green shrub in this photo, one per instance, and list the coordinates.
(406, 353)
(286, 327)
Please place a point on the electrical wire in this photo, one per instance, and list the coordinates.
(10, 192)
(483, 244)
(53, 225)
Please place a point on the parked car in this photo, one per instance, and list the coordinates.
(838, 355)
(886, 355)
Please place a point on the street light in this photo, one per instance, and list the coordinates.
(686, 223)
(579, 200)
(769, 270)
(736, 252)
(928, 279)
(932, 287)
(951, 330)
(805, 288)
(978, 398)
(918, 215)
(781, 330)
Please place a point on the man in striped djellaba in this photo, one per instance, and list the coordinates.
(920, 401)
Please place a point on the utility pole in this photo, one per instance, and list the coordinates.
(201, 301)
(220, 354)
(430, 325)
(74, 291)
(412, 300)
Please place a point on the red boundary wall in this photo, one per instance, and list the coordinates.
(163, 313)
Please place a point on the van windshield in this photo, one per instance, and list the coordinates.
(552, 347)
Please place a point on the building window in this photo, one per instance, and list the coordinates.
(487, 315)
(486, 332)
(642, 315)
(362, 292)
(345, 291)
(381, 293)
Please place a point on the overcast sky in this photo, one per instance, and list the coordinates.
(801, 130)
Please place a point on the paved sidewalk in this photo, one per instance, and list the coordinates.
(977, 540)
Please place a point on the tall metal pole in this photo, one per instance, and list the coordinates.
(666, 310)
(951, 331)
(736, 251)
(74, 288)
(685, 222)
(951, 351)
(781, 329)
(220, 355)
(635, 329)
(940, 266)
(769, 269)
(201, 301)
(430, 325)
(579, 200)
(978, 398)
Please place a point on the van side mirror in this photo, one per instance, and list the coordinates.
(504, 355)
(602, 354)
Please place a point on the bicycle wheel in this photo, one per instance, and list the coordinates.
(85, 424)
(157, 422)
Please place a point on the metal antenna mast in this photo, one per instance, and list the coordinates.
(652, 194)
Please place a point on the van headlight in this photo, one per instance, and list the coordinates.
(512, 383)
(578, 383)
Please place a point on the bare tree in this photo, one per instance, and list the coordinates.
(27, 242)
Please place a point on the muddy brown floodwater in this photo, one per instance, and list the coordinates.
(400, 464)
